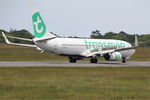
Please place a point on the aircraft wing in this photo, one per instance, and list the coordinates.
(100, 52)
(19, 44)
(126, 48)
(111, 50)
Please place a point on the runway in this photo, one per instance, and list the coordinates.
(67, 64)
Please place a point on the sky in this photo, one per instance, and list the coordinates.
(78, 17)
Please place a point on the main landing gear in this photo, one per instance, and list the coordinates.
(124, 60)
(72, 59)
(93, 60)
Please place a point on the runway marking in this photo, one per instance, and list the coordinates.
(67, 64)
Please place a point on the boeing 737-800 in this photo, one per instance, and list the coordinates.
(74, 48)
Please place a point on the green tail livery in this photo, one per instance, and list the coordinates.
(38, 25)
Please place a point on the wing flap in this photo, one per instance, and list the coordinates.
(100, 52)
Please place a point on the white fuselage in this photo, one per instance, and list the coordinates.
(83, 47)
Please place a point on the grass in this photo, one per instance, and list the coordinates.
(75, 83)
(142, 54)
(71, 83)
(15, 53)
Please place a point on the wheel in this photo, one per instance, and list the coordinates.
(93, 60)
(124, 60)
(72, 60)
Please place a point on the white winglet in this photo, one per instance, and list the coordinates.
(136, 41)
(5, 38)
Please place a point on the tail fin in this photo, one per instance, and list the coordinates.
(39, 27)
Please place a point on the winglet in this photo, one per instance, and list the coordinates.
(5, 38)
(136, 41)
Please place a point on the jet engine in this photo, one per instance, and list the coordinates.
(115, 56)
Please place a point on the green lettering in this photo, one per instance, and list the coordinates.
(90, 45)
(86, 44)
(105, 45)
(100, 45)
(95, 45)
(110, 44)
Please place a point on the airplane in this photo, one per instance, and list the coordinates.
(75, 48)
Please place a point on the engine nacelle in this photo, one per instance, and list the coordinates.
(115, 56)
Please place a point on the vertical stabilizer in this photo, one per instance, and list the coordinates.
(39, 27)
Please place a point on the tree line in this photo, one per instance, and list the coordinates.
(144, 40)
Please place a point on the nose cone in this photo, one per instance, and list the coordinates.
(132, 51)
(129, 45)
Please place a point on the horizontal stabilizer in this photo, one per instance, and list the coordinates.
(18, 44)
(20, 38)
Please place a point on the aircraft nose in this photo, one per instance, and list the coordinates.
(129, 45)
(132, 51)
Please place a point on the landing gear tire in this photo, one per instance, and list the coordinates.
(72, 60)
(93, 60)
(124, 60)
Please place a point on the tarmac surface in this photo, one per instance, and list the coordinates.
(67, 64)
